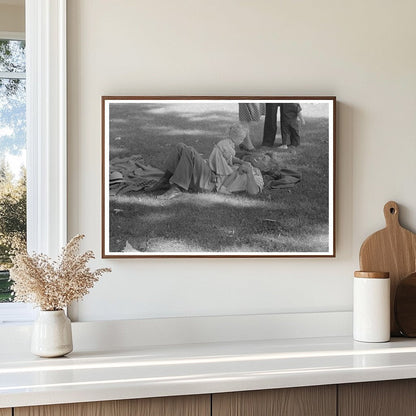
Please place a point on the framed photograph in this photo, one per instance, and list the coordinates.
(218, 177)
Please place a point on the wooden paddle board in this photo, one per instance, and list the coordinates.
(393, 250)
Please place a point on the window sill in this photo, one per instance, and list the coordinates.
(16, 313)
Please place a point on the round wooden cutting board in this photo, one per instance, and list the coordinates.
(393, 250)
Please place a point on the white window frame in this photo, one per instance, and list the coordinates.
(14, 312)
(46, 134)
(12, 36)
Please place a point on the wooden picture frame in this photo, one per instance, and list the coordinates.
(277, 202)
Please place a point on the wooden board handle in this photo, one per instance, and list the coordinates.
(391, 214)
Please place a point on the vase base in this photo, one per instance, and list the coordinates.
(53, 353)
(52, 335)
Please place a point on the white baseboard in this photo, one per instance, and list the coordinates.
(111, 335)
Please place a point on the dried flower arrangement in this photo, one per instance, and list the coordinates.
(53, 285)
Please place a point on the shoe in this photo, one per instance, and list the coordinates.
(283, 146)
(223, 190)
(173, 192)
(161, 185)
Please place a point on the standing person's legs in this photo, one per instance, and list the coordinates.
(294, 133)
(285, 128)
(270, 124)
(247, 143)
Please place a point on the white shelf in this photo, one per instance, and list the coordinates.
(151, 371)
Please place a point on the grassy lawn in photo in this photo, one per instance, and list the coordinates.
(284, 220)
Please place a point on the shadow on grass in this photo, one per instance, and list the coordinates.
(153, 129)
(210, 223)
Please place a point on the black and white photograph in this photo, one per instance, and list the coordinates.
(218, 176)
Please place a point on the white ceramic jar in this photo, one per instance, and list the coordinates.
(52, 334)
(371, 310)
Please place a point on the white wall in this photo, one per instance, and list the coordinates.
(361, 51)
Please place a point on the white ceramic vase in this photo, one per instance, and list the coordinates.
(52, 334)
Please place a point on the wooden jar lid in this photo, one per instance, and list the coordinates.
(372, 275)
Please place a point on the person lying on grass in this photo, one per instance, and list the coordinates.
(186, 170)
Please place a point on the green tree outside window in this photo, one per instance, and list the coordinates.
(12, 146)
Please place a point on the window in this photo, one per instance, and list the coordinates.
(12, 165)
(46, 134)
(12, 153)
